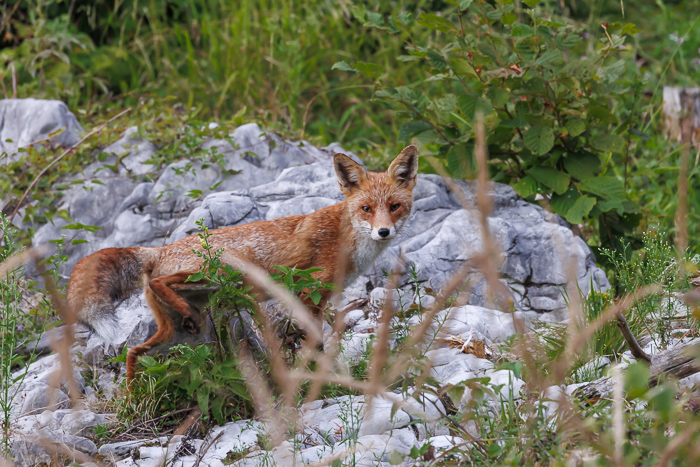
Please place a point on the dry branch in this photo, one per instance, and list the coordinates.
(632, 343)
(678, 362)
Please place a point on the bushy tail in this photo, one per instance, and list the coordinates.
(100, 280)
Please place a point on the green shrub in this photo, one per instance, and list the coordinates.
(199, 374)
(550, 101)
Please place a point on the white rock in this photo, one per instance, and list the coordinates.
(493, 324)
(116, 451)
(352, 317)
(444, 442)
(451, 366)
(590, 370)
(347, 417)
(571, 388)
(83, 422)
(354, 348)
(510, 385)
(26, 121)
(36, 397)
(379, 296)
(551, 398)
(233, 437)
(425, 301)
(690, 382)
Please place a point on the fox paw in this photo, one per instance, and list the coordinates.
(189, 325)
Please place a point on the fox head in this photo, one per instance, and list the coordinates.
(379, 203)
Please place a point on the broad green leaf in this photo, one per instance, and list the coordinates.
(567, 41)
(609, 143)
(613, 71)
(369, 70)
(395, 458)
(572, 206)
(517, 122)
(601, 114)
(436, 59)
(488, 49)
(610, 204)
(525, 50)
(499, 97)
(456, 393)
(315, 297)
(605, 186)
(554, 179)
(531, 3)
(239, 390)
(509, 18)
(434, 22)
(469, 104)
(522, 30)
(526, 186)
(494, 15)
(464, 4)
(343, 67)
(661, 401)
(630, 29)
(460, 160)
(374, 19)
(636, 380)
(196, 277)
(217, 406)
(410, 129)
(580, 209)
(461, 67)
(549, 57)
(539, 139)
(582, 165)
(147, 361)
(575, 126)
(551, 24)
(203, 400)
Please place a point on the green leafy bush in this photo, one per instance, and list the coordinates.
(198, 374)
(549, 98)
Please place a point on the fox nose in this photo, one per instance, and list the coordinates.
(383, 232)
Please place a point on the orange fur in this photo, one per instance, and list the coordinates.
(343, 239)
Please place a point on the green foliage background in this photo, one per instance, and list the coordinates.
(570, 91)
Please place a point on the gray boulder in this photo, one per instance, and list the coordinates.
(26, 121)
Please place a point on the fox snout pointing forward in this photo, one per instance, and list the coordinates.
(343, 239)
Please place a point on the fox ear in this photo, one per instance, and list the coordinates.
(404, 168)
(350, 174)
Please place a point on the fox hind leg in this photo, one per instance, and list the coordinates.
(165, 332)
(164, 287)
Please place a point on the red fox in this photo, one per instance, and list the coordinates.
(343, 239)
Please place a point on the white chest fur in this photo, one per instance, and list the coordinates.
(364, 255)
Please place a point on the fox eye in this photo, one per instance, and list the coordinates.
(394, 207)
(366, 209)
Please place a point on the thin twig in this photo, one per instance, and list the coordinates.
(632, 343)
(206, 448)
(14, 79)
(9, 17)
(67, 151)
